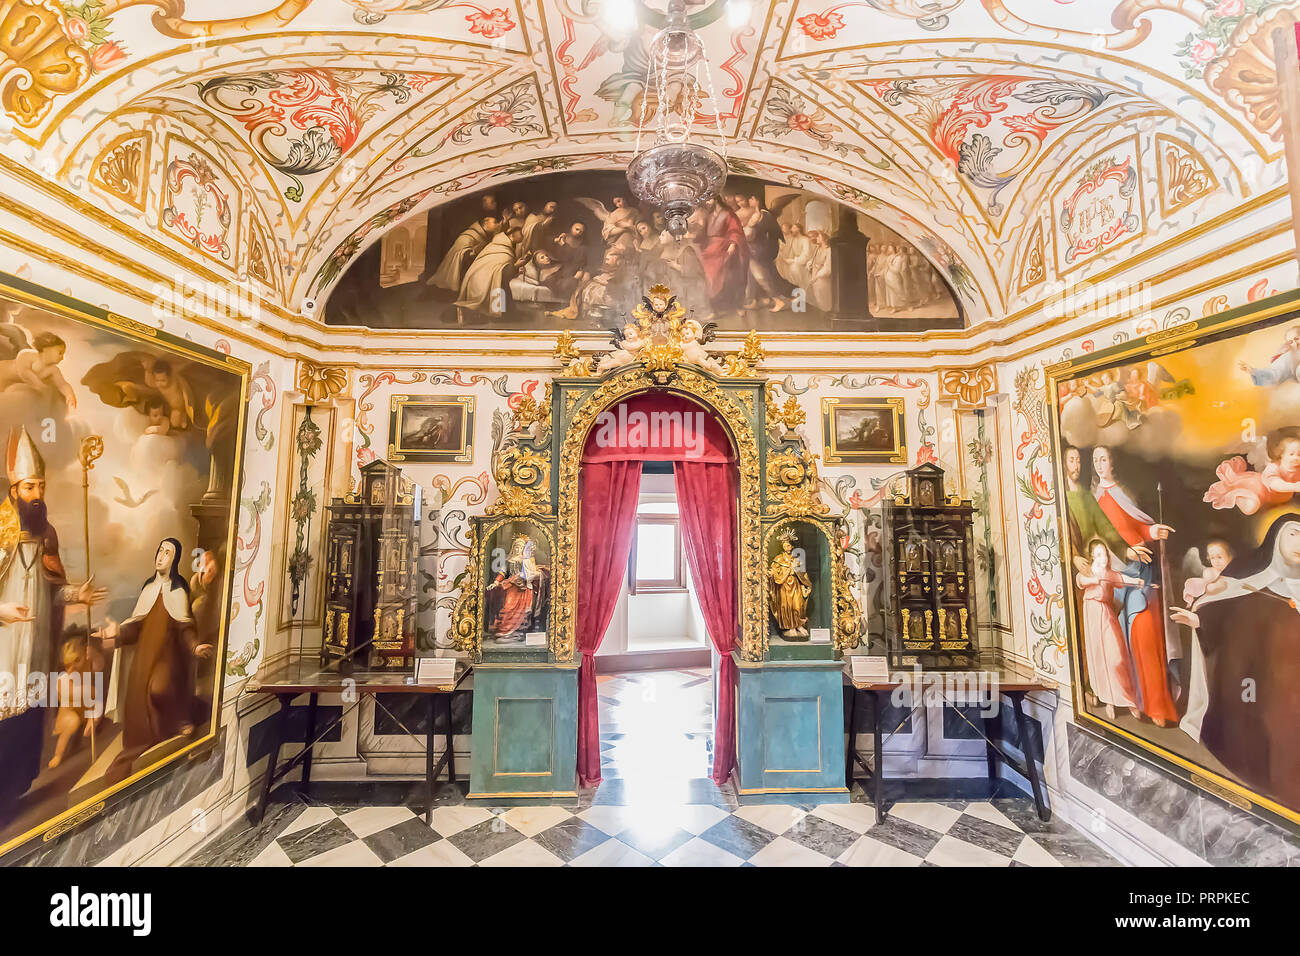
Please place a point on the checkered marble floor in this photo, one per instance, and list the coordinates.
(656, 807)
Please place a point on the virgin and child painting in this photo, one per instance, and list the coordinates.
(1179, 491)
(121, 456)
(575, 250)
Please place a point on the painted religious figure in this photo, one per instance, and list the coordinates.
(152, 685)
(572, 250)
(788, 589)
(518, 598)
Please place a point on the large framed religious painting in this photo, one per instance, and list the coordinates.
(863, 430)
(122, 459)
(424, 428)
(1177, 461)
(573, 250)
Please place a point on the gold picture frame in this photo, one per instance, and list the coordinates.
(842, 416)
(424, 428)
(1081, 376)
(209, 520)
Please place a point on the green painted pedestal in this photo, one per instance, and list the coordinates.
(525, 746)
(790, 717)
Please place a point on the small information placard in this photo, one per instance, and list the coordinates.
(435, 670)
(870, 669)
(819, 635)
(535, 639)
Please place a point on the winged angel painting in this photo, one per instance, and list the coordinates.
(1179, 468)
(116, 524)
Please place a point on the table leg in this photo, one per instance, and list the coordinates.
(311, 737)
(428, 756)
(451, 750)
(991, 752)
(279, 724)
(1031, 758)
(878, 765)
(849, 755)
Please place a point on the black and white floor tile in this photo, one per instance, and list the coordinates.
(643, 815)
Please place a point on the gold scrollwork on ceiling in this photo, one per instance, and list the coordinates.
(792, 484)
(1183, 174)
(613, 389)
(320, 383)
(122, 168)
(969, 387)
(38, 61)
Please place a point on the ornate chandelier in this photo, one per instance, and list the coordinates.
(669, 170)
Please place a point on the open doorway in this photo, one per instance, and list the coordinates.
(654, 667)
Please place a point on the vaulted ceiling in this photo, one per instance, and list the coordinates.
(275, 141)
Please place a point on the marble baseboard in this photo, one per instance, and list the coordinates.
(1214, 831)
(99, 839)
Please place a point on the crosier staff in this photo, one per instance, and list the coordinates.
(92, 446)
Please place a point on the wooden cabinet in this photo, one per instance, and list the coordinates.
(929, 560)
(371, 573)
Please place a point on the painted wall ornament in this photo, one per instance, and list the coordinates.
(302, 122)
(196, 207)
(1101, 208)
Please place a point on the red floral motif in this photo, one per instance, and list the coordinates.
(491, 25)
(500, 118)
(925, 455)
(855, 500)
(105, 55)
(1040, 486)
(1203, 51)
(800, 121)
(821, 27)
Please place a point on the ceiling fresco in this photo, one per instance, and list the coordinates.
(276, 142)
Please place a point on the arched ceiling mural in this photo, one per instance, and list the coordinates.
(275, 142)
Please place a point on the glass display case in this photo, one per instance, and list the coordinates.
(372, 560)
(929, 556)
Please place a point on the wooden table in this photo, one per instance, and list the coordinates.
(305, 676)
(1003, 679)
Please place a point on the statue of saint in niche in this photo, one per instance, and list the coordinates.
(788, 590)
(517, 601)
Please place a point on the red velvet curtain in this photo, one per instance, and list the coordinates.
(606, 522)
(707, 497)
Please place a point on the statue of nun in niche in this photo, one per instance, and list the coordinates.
(517, 601)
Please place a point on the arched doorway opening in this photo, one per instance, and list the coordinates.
(657, 425)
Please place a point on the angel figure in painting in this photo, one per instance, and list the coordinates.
(1248, 491)
(788, 589)
(36, 366)
(1110, 667)
(516, 602)
(137, 380)
(1202, 580)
